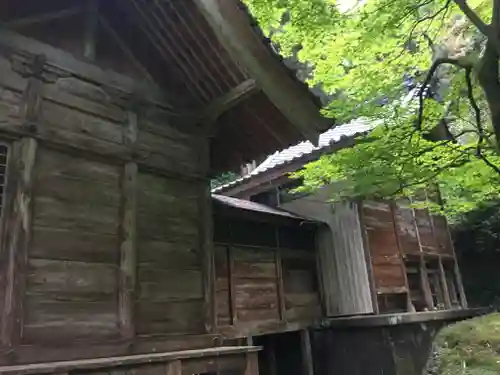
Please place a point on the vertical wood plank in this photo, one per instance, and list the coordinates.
(17, 239)
(444, 284)
(424, 278)
(128, 256)
(409, 304)
(270, 349)
(319, 276)
(307, 359)
(279, 278)
(206, 238)
(252, 366)
(456, 269)
(173, 368)
(368, 257)
(128, 241)
(231, 288)
(19, 208)
(424, 283)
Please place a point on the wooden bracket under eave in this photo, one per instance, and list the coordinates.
(234, 31)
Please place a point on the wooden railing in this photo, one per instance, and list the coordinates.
(237, 360)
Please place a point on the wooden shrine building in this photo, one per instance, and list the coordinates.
(401, 259)
(387, 272)
(113, 116)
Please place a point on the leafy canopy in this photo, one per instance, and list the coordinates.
(367, 58)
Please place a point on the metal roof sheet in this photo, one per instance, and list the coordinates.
(255, 207)
(326, 139)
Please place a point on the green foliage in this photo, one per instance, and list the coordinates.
(223, 179)
(469, 348)
(360, 57)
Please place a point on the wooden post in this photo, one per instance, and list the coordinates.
(368, 258)
(271, 355)
(320, 276)
(206, 238)
(19, 208)
(128, 256)
(17, 239)
(424, 279)
(174, 368)
(444, 284)
(231, 288)
(307, 359)
(90, 30)
(409, 305)
(456, 269)
(279, 278)
(424, 283)
(128, 242)
(252, 366)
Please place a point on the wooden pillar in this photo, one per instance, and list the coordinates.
(252, 366)
(231, 287)
(19, 207)
(279, 278)
(444, 284)
(128, 241)
(409, 304)
(206, 237)
(17, 238)
(368, 257)
(456, 269)
(307, 359)
(424, 283)
(270, 351)
(174, 368)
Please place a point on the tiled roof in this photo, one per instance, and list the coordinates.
(252, 206)
(292, 153)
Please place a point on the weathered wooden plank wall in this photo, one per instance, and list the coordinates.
(105, 217)
(264, 284)
(412, 257)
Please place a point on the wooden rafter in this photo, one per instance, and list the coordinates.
(233, 29)
(118, 40)
(44, 17)
(227, 101)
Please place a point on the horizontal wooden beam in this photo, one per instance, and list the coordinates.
(226, 102)
(44, 17)
(102, 363)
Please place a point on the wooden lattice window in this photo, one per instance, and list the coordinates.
(4, 155)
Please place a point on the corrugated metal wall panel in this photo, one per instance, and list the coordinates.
(342, 254)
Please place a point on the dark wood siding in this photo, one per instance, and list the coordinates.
(263, 286)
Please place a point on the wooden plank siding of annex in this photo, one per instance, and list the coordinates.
(412, 256)
(266, 276)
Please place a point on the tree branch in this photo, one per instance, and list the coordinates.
(435, 65)
(479, 125)
(473, 17)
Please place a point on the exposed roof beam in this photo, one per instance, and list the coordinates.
(44, 17)
(124, 47)
(233, 29)
(227, 101)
